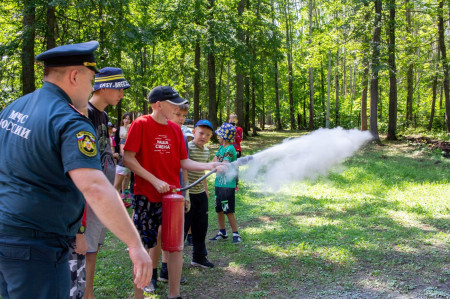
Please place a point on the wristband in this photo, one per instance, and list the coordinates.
(82, 229)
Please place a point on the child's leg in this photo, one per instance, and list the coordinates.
(174, 265)
(221, 220)
(232, 221)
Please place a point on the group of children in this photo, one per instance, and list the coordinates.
(156, 149)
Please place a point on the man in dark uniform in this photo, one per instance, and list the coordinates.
(48, 162)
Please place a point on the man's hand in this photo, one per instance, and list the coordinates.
(81, 246)
(142, 266)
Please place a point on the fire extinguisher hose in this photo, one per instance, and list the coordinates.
(238, 162)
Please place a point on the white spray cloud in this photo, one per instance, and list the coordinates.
(305, 157)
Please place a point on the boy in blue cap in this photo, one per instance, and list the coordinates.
(225, 184)
(42, 195)
(197, 217)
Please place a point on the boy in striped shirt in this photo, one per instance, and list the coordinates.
(197, 217)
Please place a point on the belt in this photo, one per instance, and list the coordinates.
(26, 232)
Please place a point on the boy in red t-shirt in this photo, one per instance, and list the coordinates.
(155, 151)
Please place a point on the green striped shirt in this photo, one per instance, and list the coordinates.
(200, 155)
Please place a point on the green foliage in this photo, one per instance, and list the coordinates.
(154, 42)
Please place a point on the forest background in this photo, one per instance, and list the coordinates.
(379, 65)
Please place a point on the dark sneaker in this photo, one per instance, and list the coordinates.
(219, 236)
(164, 277)
(204, 263)
(151, 288)
(189, 240)
(237, 239)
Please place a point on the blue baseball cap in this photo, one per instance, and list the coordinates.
(226, 131)
(165, 93)
(204, 122)
(68, 55)
(110, 77)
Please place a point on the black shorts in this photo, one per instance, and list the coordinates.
(225, 200)
(147, 219)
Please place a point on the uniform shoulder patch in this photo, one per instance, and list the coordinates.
(86, 143)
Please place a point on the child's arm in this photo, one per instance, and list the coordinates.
(130, 161)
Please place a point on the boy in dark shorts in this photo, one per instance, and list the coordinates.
(225, 184)
(155, 151)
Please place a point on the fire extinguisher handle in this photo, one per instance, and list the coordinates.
(173, 189)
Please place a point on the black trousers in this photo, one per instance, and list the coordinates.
(197, 219)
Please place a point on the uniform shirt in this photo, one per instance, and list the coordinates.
(42, 138)
(159, 149)
(199, 154)
(100, 121)
(226, 179)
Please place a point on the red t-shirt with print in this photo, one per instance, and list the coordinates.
(159, 149)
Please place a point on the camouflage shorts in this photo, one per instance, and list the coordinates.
(77, 264)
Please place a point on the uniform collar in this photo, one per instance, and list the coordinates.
(58, 90)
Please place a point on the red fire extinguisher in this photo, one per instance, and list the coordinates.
(173, 221)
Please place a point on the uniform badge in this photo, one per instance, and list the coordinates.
(86, 143)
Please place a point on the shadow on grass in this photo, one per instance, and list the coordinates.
(329, 247)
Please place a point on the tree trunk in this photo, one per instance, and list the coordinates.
(392, 124)
(444, 63)
(336, 87)
(311, 74)
(246, 127)
(50, 30)
(290, 73)
(239, 102)
(29, 32)
(197, 82)
(328, 90)
(434, 92)
(212, 89)
(409, 72)
(277, 98)
(375, 69)
(212, 107)
(365, 83)
(344, 73)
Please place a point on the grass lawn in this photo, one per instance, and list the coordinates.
(377, 228)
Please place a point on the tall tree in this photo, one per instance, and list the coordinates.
(410, 71)
(239, 103)
(212, 107)
(50, 33)
(289, 61)
(434, 92)
(392, 125)
(336, 86)
(197, 81)
(444, 62)
(375, 70)
(29, 32)
(311, 71)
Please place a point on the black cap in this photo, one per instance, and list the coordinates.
(165, 93)
(73, 54)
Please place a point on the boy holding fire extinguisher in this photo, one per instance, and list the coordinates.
(155, 151)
